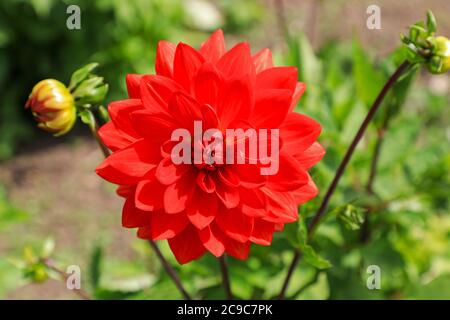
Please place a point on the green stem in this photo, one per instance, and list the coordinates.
(341, 169)
(225, 277)
(52, 266)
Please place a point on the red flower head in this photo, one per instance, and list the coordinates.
(216, 206)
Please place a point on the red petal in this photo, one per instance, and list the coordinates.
(253, 203)
(237, 62)
(290, 175)
(156, 92)
(202, 208)
(306, 192)
(277, 78)
(206, 84)
(250, 175)
(209, 116)
(205, 182)
(262, 232)
(167, 172)
(163, 226)
(228, 195)
(149, 195)
(213, 240)
(177, 195)
(234, 101)
(271, 108)
(185, 110)
(281, 205)
(133, 85)
(228, 176)
(112, 175)
(165, 54)
(166, 226)
(279, 227)
(310, 156)
(129, 165)
(213, 48)
(235, 224)
(125, 191)
(262, 60)
(187, 245)
(298, 132)
(156, 127)
(298, 92)
(120, 112)
(186, 65)
(237, 249)
(132, 217)
(114, 138)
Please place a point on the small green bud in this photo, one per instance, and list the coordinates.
(440, 61)
(431, 22)
(40, 273)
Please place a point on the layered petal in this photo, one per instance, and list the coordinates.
(187, 245)
(213, 48)
(187, 62)
(262, 60)
(298, 132)
(163, 226)
(130, 165)
(165, 54)
(235, 224)
(237, 62)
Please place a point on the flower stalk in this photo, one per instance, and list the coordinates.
(225, 277)
(52, 266)
(341, 169)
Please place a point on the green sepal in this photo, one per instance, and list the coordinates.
(81, 74)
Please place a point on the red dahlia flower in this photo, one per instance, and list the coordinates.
(209, 207)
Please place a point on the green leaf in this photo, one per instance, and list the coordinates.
(313, 258)
(301, 54)
(368, 80)
(81, 74)
(297, 235)
(9, 214)
(95, 265)
(87, 117)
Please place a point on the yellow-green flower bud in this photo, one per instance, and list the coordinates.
(443, 50)
(53, 106)
(440, 61)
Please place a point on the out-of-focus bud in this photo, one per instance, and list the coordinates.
(424, 47)
(53, 106)
(440, 62)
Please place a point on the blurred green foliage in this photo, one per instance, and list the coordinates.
(35, 44)
(402, 224)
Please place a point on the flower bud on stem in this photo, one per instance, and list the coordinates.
(340, 171)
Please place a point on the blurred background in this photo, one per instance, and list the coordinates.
(48, 188)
